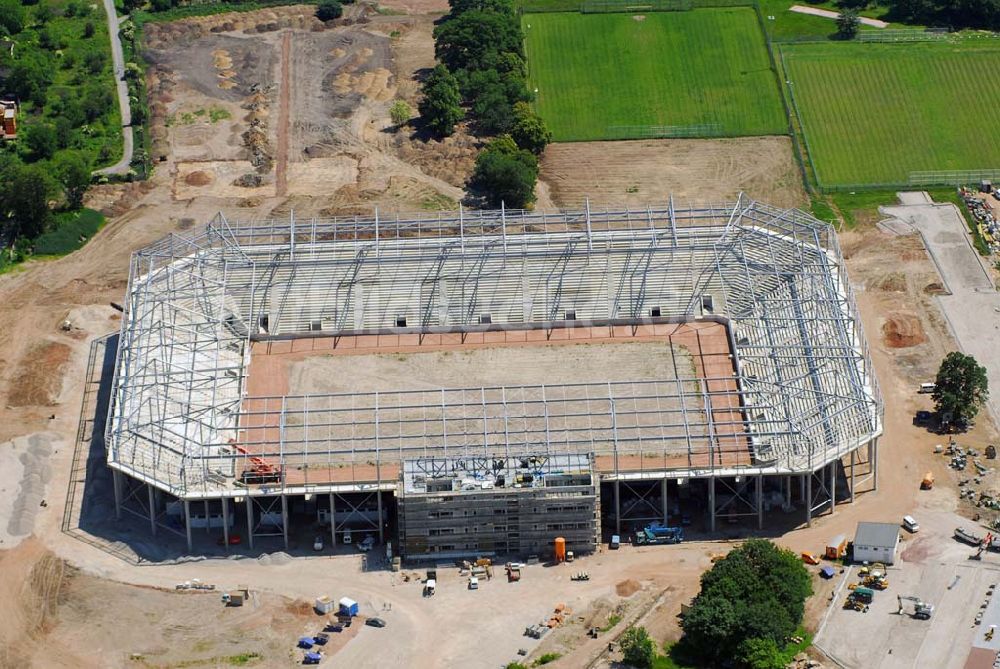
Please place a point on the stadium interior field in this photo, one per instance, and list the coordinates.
(611, 76)
(670, 385)
(874, 113)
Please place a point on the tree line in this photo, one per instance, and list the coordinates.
(482, 76)
(955, 14)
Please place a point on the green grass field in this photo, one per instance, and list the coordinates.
(874, 113)
(597, 71)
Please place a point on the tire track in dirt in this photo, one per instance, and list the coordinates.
(284, 104)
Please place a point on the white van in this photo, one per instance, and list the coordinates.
(927, 388)
(473, 583)
(910, 524)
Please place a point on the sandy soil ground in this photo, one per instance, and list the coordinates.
(693, 170)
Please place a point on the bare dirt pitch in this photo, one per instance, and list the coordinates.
(693, 170)
(276, 104)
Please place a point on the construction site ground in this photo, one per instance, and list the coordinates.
(70, 603)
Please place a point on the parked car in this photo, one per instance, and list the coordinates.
(375, 622)
(318, 543)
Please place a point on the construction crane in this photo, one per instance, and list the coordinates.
(921, 609)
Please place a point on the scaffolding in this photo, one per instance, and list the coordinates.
(801, 392)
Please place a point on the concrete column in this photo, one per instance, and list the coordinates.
(381, 523)
(284, 518)
(711, 504)
(250, 521)
(333, 523)
(809, 499)
(187, 523)
(665, 501)
(116, 478)
(760, 502)
(833, 485)
(225, 523)
(152, 509)
(618, 508)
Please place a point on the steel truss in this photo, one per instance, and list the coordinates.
(805, 391)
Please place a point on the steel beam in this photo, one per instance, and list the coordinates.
(284, 518)
(760, 502)
(152, 508)
(618, 509)
(116, 478)
(225, 522)
(663, 497)
(333, 523)
(711, 504)
(833, 487)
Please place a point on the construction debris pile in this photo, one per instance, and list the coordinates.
(982, 213)
(960, 458)
(803, 661)
(255, 139)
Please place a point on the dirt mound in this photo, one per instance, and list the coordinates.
(39, 378)
(198, 178)
(903, 330)
(935, 288)
(627, 588)
(894, 282)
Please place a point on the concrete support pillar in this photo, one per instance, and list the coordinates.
(854, 455)
(760, 502)
(250, 521)
(833, 486)
(284, 518)
(711, 504)
(116, 478)
(333, 523)
(225, 523)
(152, 509)
(665, 501)
(187, 524)
(809, 499)
(618, 508)
(381, 523)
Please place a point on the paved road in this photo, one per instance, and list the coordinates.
(972, 307)
(118, 60)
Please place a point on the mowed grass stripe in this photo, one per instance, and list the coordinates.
(875, 113)
(706, 66)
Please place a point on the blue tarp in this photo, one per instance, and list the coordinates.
(827, 572)
(306, 642)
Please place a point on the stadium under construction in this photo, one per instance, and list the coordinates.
(477, 383)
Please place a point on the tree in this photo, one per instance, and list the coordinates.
(960, 390)
(400, 113)
(41, 140)
(757, 591)
(440, 107)
(72, 170)
(329, 10)
(498, 6)
(848, 23)
(637, 648)
(529, 129)
(12, 17)
(505, 174)
(30, 76)
(476, 40)
(88, 29)
(26, 200)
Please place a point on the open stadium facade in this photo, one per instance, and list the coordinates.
(776, 384)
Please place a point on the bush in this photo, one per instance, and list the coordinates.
(505, 174)
(12, 17)
(41, 141)
(400, 113)
(848, 23)
(529, 129)
(329, 10)
(637, 648)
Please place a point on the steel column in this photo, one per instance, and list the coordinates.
(666, 505)
(152, 508)
(809, 499)
(788, 491)
(333, 523)
(208, 520)
(711, 504)
(873, 455)
(116, 478)
(187, 524)
(284, 518)
(381, 523)
(225, 522)
(854, 454)
(760, 502)
(250, 520)
(833, 487)
(618, 509)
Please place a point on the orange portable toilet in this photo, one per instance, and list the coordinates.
(560, 549)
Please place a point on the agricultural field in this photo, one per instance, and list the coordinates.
(873, 113)
(597, 72)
